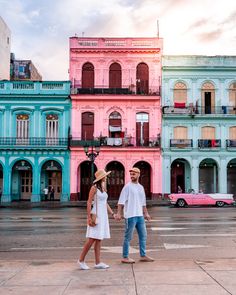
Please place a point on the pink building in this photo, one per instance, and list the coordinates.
(116, 103)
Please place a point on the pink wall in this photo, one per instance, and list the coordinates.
(128, 52)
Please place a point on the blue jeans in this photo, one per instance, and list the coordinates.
(137, 222)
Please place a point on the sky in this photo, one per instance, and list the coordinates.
(40, 29)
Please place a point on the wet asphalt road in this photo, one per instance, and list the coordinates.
(173, 233)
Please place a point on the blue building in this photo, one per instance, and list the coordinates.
(34, 128)
(199, 123)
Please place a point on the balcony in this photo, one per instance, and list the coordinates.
(181, 143)
(112, 91)
(211, 144)
(33, 142)
(126, 142)
(230, 144)
(192, 110)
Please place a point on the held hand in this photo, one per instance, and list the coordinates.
(147, 217)
(117, 217)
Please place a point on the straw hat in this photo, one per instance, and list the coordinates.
(135, 169)
(100, 174)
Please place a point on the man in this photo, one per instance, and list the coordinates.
(133, 202)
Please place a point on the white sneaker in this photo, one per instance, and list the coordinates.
(101, 265)
(83, 265)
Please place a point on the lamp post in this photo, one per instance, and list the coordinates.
(92, 152)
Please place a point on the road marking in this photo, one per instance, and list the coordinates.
(198, 235)
(167, 228)
(182, 246)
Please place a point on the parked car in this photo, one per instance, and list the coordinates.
(189, 199)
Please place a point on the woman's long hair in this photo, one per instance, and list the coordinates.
(98, 185)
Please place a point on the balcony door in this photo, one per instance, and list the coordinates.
(88, 75)
(115, 76)
(142, 79)
(22, 129)
(208, 98)
(142, 129)
(52, 129)
(87, 126)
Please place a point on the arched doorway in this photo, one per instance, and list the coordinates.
(145, 177)
(180, 176)
(115, 180)
(51, 177)
(231, 177)
(22, 181)
(142, 79)
(115, 76)
(87, 126)
(88, 75)
(86, 179)
(208, 176)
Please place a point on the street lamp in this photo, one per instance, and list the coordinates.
(92, 152)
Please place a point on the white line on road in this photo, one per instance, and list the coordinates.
(167, 228)
(182, 246)
(199, 235)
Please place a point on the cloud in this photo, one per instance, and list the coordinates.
(210, 36)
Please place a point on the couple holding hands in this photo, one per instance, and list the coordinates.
(131, 204)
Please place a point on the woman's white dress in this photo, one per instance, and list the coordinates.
(101, 230)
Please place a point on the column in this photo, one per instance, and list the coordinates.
(6, 194)
(195, 176)
(166, 168)
(222, 176)
(65, 194)
(35, 197)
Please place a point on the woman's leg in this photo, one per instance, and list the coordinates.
(97, 250)
(86, 248)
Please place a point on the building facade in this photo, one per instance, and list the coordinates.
(23, 70)
(5, 49)
(34, 128)
(116, 105)
(199, 124)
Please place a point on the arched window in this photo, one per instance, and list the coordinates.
(142, 79)
(115, 126)
(22, 128)
(88, 75)
(232, 95)
(180, 94)
(208, 132)
(208, 98)
(180, 132)
(115, 80)
(232, 133)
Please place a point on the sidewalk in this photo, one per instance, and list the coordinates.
(58, 204)
(162, 277)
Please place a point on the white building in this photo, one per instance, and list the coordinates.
(5, 49)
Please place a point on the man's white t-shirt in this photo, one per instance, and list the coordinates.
(133, 198)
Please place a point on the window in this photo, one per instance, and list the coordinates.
(232, 133)
(51, 128)
(115, 76)
(22, 125)
(142, 129)
(180, 93)
(180, 132)
(142, 79)
(232, 95)
(88, 75)
(208, 132)
(208, 98)
(115, 125)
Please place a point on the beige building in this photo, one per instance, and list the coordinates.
(5, 48)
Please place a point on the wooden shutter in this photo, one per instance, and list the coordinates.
(180, 93)
(115, 76)
(88, 75)
(208, 132)
(232, 133)
(180, 132)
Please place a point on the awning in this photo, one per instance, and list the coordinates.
(114, 128)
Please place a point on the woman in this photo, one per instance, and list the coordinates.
(95, 234)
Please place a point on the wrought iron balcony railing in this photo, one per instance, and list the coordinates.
(181, 143)
(230, 143)
(126, 142)
(32, 142)
(209, 143)
(192, 110)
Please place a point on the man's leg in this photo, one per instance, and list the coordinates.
(129, 230)
(142, 235)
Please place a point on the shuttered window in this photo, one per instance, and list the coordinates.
(208, 132)
(180, 93)
(180, 132)
(88, 75)
(115, 76)
(232, 133)
(22, 126)
(232, 95)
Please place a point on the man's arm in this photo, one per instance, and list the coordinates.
(119, 212)
(146, 214)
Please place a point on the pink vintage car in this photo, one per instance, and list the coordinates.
(218, 199)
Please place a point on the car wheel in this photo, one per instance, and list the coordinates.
(181, 203)
(220, 204)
